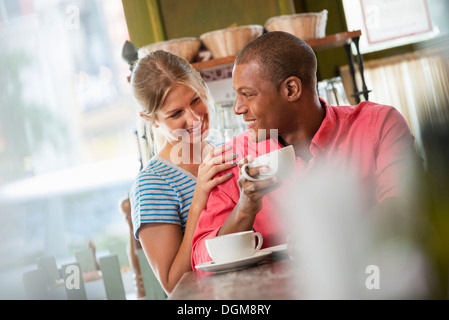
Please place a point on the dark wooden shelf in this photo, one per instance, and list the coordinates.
(213, 63)
(328, 42)
(334, 40)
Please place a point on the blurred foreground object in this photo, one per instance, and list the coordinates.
(342, 251)
(435, 136)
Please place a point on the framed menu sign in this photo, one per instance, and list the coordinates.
(388, 20)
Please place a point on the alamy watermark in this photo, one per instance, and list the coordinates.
(72, 21)
(72, 278)
(373, 280)
(181, 152)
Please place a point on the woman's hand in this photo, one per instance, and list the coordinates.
(214, 163)
(167, 248)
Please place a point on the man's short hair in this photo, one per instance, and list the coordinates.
(281, 55)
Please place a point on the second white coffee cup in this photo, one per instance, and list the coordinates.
(280, 162)
(234, 246)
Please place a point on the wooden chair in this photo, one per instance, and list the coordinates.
(148, 286)
(125, 207)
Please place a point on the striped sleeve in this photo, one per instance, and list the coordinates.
(160, 194)
(153, 200)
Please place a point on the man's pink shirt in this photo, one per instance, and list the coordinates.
(372, 140)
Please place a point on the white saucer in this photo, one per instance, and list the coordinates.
(279, 251)
(234, 264)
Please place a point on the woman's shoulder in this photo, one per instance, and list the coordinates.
(156, 168)
(163, 170)
(158, 165)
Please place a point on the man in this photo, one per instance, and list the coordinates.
(275, 80)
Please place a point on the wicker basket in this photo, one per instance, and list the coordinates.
(305, 26)
(186, 48)
(228, 42)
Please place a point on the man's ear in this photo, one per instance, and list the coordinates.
(292, 87)
(149, 119)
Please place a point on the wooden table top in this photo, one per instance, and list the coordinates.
(268, 280)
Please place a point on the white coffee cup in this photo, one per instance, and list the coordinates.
(281, 163)
(234, 246)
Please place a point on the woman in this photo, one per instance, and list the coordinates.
(172, 190)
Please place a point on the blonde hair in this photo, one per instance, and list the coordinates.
(152, 78)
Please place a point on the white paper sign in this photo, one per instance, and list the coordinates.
(387, 20)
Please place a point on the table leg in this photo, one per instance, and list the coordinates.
(361, 69)
(352, 71)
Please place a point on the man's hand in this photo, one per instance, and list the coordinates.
(252, 192)
(250, 202)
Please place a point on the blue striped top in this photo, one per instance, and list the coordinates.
(162, 193)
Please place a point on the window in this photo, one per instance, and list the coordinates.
(68, 151)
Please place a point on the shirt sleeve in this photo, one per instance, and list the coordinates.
(221, 202)
(153, 200)
(396, 155)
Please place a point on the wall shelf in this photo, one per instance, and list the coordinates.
(342, 39)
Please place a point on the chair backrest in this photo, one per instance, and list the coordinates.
(73, 281)
(119, 249)
(86, 259)
(153, 289)
(35, 283)
(113, 282)
(45, 282)
(50, 269)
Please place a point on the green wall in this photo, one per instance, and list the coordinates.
(330, 60)
(201, 16)
(144, 21)
(156, 20)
